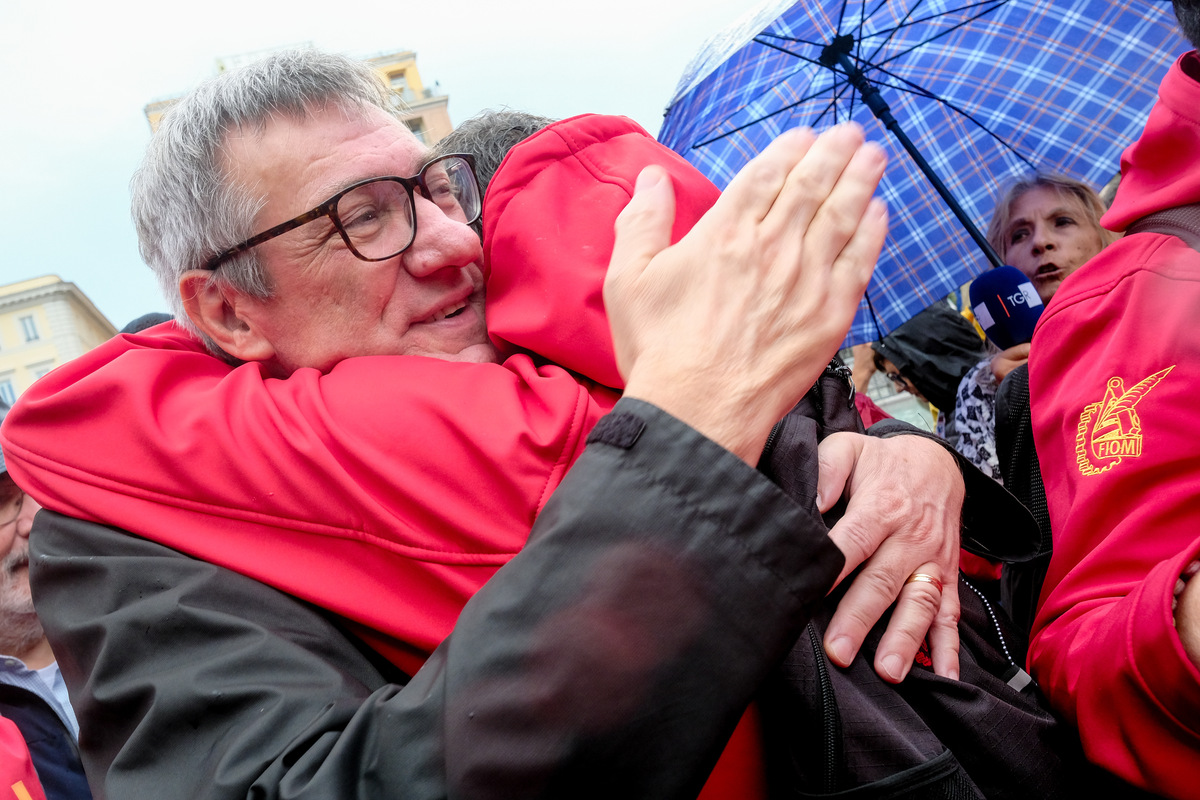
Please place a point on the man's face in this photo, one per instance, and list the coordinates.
(328, 304)
(16, 518)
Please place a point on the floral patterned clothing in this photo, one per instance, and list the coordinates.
(975, 419)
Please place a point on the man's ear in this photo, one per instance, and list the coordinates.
(219, 311)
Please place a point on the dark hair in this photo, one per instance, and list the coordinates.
(1188, 14)
(488, 136)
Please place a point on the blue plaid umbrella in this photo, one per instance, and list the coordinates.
(985, 92)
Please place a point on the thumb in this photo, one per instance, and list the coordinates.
(643, 228)
(836, 457)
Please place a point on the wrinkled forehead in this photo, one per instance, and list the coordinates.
(1041, 200)
(305, 158)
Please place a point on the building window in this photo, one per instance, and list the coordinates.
(41, 369)
(396, 80)
(7, 393)
(29, 328)
(417, 126)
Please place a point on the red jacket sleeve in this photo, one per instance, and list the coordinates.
(386, 472)
(1115, 411)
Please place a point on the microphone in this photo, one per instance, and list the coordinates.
(1006, 306)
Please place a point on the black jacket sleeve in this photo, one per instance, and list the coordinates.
(611, 658)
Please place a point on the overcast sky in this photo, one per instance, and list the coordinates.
(77, 73)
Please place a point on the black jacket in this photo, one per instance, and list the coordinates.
(611, 658)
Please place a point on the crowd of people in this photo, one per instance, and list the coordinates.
(332, 531)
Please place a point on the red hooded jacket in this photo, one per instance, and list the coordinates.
(1113, 388)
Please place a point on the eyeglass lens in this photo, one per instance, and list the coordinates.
(378, 217)
(10, 509)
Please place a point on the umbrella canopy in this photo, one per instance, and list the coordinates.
(987, 91)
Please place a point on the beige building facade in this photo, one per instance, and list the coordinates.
(424, 109)
(44, 322)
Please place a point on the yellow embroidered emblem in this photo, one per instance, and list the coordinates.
(1110, 431)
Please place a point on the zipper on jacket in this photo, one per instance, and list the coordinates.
(830, 721)
(772, 439)
(838, 368)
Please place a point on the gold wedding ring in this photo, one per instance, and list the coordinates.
(921, 577)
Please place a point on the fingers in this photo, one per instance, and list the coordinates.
(943, 634)
(821, 179)
(865, 602)
(1006, 361)
(741, 305)
(902, 516)
(856, 262)
(924, 609)
(756, 188)
(837, 219)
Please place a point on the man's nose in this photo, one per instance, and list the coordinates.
(29, 507)
(440, 242)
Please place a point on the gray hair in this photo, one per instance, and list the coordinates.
(488, 136)
(186, 208)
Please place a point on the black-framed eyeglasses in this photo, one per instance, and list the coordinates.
(377, 218)
(898, 379)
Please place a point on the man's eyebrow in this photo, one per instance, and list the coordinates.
(330, 188)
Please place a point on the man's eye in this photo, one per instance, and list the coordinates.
(440, 187)
(360, 216)
(1061, 221)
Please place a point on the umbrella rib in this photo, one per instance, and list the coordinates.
(765, 117)
(788, 107)
(992, 7)
(841, 89)
(792, 39)
(912, 88)
(890, 33)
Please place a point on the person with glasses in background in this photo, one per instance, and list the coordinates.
(33, 695)
(927, 356)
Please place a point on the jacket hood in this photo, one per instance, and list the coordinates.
(548, 233)
(934, 350)
(1157, 171)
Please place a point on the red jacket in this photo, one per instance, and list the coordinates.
(409, 479)
(18, 778)
(1114, 390)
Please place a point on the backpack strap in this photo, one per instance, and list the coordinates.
(1181, 221)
